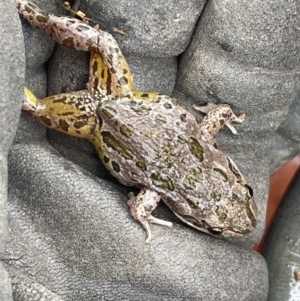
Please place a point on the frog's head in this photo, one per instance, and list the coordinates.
(233, 215)
(236, 216)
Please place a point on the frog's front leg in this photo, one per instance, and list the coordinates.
(141, 207)
(216, 117)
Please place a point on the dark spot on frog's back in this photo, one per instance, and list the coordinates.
(160, 120)
(216, 196)
(221, 213)
(194, 204)
(70, 22)
(127, 130)
(142, 166)
(195, 148)
(161, 181)
(183, 117)
(105, 159)
(168, 106)
(141, 110)
(181, 139)
(109, 112)
(116, 145)
(132, 103)
(194, 176)
(221, 174)
(116, 166)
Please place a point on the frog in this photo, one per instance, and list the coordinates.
(146, 139)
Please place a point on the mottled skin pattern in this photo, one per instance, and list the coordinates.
(145, 139)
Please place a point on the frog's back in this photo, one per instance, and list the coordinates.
(158, 145)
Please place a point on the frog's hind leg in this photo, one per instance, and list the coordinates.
(78, 35)
(103, 82)
(216, 117)
(141, 207)
(70, 113)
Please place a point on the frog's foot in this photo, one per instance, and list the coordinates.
(141, 207)
(216, 117)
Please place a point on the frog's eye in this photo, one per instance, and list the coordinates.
(250, 190)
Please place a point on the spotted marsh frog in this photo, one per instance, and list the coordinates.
(145, 139)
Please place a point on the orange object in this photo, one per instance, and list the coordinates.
(280, 182)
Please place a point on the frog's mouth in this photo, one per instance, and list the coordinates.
(229, 233)
(201, 226)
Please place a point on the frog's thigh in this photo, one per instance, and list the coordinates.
(102, 81)
(71, 113)
(99, 75)
(141, 207)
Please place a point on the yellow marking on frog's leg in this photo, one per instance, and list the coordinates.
(103, 82)
(99, 76)
(71, 113)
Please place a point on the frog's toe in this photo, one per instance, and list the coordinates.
(205, 109)
(148, 232)
(235, 119)
(131, 199)
(231, 127)
(141, 207)
(239, 119)
(29, 101)
(158, 221)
